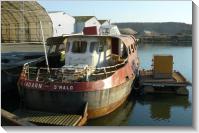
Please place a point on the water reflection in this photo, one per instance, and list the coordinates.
(117, 118)
(161, 104)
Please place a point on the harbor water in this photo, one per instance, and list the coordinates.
(156, 110)
(149, 110)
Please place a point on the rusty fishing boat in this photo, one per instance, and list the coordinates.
(97, 69)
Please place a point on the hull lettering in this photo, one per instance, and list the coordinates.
(63, 87)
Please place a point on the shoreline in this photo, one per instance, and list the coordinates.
(8, 48)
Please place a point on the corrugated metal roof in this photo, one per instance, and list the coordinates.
(55, 11)
(82, 18)
(28, 11)
(20, 19)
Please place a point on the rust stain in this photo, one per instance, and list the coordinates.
(95, 113)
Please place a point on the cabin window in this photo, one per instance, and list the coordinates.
(101, 47)
(129, 50)
(61, 47)
(124, 52)
(52, 49)
(132, 48)
(93, 46)
(67, 46)
(79, 47)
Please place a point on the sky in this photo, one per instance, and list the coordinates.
(125, 11)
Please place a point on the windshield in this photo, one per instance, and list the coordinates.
(79, 47)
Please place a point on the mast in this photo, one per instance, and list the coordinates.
(48, 69)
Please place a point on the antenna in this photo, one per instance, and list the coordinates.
(44, 47)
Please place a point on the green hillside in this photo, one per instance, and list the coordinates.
(170, 28)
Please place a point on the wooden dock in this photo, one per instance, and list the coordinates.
(38, 118)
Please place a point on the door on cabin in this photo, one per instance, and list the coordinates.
(115, 46)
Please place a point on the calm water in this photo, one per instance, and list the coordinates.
(156, 109)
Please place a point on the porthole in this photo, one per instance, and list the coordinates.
(135, 46)
(132, 48)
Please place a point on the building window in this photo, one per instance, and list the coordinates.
(79, 47)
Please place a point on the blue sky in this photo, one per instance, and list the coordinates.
(125, 11)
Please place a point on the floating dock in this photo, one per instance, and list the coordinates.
(38, 118)
(161, 78)
(177, 84)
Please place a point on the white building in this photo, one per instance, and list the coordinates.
(109, 30)
(85, 21)
(104, 22)
(63, 23)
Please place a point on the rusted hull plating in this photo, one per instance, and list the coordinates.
(103, 96)
(100, 102)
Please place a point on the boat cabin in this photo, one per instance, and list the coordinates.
(93, 51)
(83, 58)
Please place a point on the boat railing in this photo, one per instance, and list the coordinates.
(59, 74)
(108, 70)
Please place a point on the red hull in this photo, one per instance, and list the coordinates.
(103, 96)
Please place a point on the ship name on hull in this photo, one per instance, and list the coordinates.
(52, 87)
(63, 87)
(33, 85)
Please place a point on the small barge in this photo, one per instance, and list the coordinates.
(162, 78)
(98, 69)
